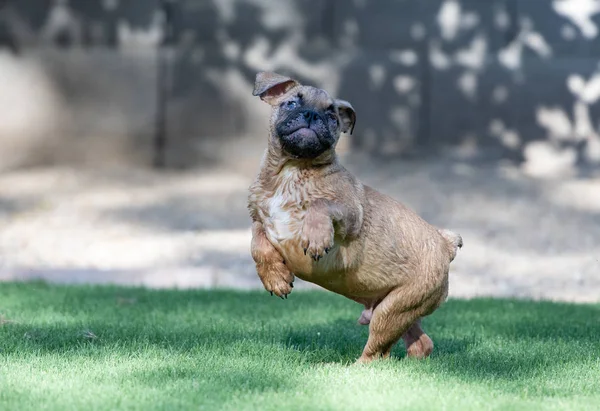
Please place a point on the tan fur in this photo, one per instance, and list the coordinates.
(314, 219)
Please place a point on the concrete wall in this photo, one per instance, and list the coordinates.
(517, 79)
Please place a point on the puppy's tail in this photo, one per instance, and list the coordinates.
(454, 240)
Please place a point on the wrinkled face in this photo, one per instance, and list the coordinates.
(307, 123)
(306, 120)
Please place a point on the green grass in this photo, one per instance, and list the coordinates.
(87, 348)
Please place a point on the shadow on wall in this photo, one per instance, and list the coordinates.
(504, 79)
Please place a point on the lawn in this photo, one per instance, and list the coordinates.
(88, 348)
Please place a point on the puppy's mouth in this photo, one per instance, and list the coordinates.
(303, 142)
(303, 133)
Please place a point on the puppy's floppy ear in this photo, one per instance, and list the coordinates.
(269, 86)
(347, 115)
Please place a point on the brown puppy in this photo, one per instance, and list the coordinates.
(313, 219)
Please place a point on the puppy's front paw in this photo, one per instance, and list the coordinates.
(276, 279)
(317, 235)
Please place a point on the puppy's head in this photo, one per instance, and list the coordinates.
(306, 121)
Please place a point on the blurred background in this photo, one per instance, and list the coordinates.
(129, 133)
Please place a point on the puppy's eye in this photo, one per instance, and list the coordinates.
(290, 105)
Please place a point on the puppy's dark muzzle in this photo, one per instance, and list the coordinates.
(304, 134)
(311, 117)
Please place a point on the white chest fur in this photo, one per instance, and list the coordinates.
(284, 209)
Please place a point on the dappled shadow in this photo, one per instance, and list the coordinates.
(523, 320)
(522, 213)
(530, 337)
(180, 320)
(9, 206)
(342, 341)
(462, 331)
(522, 236)
(13, 207)
(187, 213)
(425, 77)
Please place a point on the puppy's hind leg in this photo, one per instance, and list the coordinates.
(390, 320)
(417, 343)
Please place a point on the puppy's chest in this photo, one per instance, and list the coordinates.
(284, 210)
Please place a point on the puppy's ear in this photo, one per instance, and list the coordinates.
(347, 115)
(269, 86)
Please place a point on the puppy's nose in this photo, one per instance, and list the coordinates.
(310, 116)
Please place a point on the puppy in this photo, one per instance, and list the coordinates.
(312, 219)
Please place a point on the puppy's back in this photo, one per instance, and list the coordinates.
(393, 227)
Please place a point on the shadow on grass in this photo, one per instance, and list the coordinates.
(510, 339)
(483, 338)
